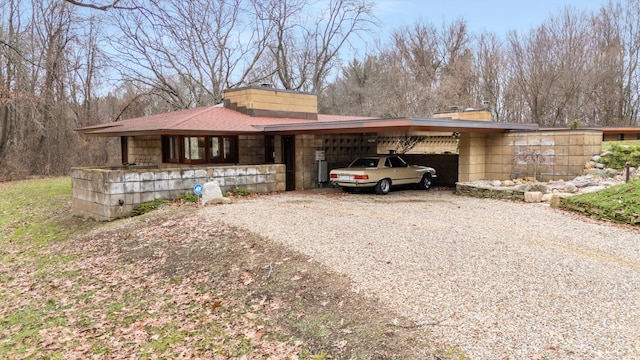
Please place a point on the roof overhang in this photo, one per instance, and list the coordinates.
(115, 132)
(397, 124)
(333, 126)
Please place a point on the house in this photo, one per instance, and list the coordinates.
(267, 139)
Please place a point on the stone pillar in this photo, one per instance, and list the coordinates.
(472, 160)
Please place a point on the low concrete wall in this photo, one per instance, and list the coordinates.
(480, 192)
(96, 192)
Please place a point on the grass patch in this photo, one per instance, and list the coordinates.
(37, 211)
(620, 203)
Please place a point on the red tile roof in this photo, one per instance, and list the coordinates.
(213, 119)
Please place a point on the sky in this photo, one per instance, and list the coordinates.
(497, 16)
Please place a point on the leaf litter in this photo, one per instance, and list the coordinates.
(172, 284)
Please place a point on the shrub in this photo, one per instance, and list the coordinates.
(241, 192)
(621, 153)
(188, 198)
(147, 207)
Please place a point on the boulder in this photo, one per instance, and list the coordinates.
(584, 181)
(569, 187)
(532, 196)
(508, 183)
(599, 166)
(211, 193)
(556, 199)
(596, 158)
(590, 165)
(547, 198)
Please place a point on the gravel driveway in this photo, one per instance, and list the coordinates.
(497, 279)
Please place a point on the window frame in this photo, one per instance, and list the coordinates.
(178, 142)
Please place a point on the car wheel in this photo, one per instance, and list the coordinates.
(383, 186)
(425, 183)
(347, 189)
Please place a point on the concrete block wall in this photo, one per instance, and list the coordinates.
(306, 167)
(566, 152)
(145, 150)
(251, 149)
(96, 192)
(340, 150)
(273, 99)
(434, 143)
(472, 159)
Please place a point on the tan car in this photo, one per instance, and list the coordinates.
(381, 172)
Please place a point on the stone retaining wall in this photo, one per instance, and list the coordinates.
(480, 192)
(96, 192)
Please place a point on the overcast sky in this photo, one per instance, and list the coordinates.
(497, 16)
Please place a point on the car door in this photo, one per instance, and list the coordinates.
(403, 173)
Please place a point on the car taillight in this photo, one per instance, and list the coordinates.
(361, 177)
(333, 176)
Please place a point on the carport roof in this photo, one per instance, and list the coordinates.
(398, 124)
(215, 120)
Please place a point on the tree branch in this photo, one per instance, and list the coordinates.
(113, 5)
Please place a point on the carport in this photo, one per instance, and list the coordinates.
(475, 143)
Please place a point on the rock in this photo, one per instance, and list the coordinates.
(547, 198)
(583, 181)
(569, 188)
(211, 192)
(532, 196)
(593, 172)
(596, 158)
(508, 183)
(555, 185)
(590, 165)
(496, 183)
(556, 199)
(611, 172)
(599, 166)
(606, 153)
(589, 189)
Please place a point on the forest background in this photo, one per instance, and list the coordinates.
(69, 64)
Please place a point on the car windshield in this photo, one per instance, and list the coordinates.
(364, 163)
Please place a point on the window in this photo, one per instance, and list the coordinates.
(194, 149)
(395, 161)
(214, 148)
(200, 149)
(170, 149)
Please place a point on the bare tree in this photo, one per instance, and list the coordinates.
(189, 52)
(404, 143)
(306, 44)
(617, 73)
(108, 6)
(490, 67)
(530, 156)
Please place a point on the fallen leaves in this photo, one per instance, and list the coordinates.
(114, 302)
